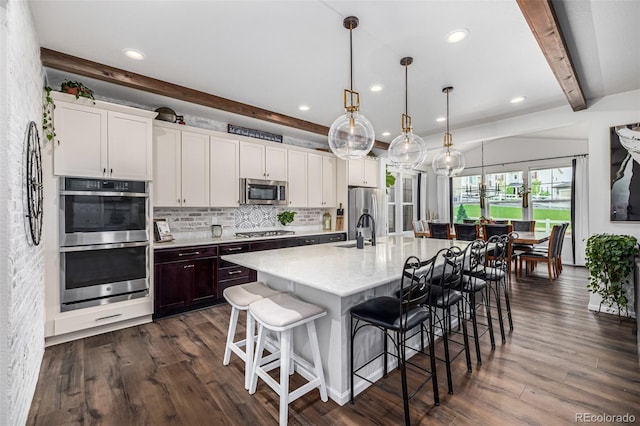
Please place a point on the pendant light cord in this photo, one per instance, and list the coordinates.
(351, 60)
(447, 111)
(406, 90)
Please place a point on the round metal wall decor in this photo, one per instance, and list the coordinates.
(34, 183)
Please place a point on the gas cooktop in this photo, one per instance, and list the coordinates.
(254, 234)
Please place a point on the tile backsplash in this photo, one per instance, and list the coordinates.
(246, 217)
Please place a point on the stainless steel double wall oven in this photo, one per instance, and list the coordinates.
(104, 241)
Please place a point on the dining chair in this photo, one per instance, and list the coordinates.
(419, 231)
(396, 317)
(549, 256)
(491, 230)
(467, 231)
(519, 248)
(440, 230)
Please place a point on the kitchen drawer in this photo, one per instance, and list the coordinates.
(75, 321)
(333, 238)
(233, 272)
(234, 248)
(272, 244)
(310, 240)
(160, 256)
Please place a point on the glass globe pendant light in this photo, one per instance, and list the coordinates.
(407, 150)
(351, 136)
(449, 162)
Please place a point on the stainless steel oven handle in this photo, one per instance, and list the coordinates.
(106, 194)
(103, 246)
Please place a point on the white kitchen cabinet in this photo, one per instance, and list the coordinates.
(92, 141)
(328, 181)
(181, 168)
(364, 172)
(321, 184)
(258, 161)
(297, 178)
(224, 172)
(195, 169)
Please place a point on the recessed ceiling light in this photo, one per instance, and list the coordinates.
(457, 35)
(133, 54)
(376, 87)
(303, 107)
(441, 119)
(518, 99)
(386, 133)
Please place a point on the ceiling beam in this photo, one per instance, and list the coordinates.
(543, 22)
(73, 64)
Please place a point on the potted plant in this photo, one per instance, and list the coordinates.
(77, 89)
(609, 259)
(286, 217)
(47, 115)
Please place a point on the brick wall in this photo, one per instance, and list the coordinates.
(184, 219)
(22, 279)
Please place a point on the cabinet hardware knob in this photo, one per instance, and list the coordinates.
(189, 266)
(184, 201)
(104, 170)
(193, 253)
(111, 172)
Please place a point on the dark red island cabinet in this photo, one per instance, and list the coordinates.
(194, 277)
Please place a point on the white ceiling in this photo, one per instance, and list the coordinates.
(280, 54)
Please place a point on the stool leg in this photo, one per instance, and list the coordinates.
(248, 368)
(257, 359)
(230, 335)
(317, 361)
(285, 358)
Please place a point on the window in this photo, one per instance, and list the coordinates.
(551, 196)
(466, 199)
(402, 202)
(503, 201)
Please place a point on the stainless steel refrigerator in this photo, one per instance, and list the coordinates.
(367, 200)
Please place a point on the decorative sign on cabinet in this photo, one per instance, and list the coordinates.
(102, 140)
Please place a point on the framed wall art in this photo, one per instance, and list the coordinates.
(625, 172)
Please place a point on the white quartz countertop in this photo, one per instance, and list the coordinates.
(343, 271)
(204, 238)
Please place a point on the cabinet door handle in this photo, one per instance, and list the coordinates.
(111, 171)
(234, 272)
(107, 317)
(104, 171)
(309, 241)
(188, 266)
(233, 248)
(193, 253)
(184, 201)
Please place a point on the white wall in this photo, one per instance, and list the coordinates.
(21, 265)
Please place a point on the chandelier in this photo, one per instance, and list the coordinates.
(351, 135)
(482, 191)
(407, 150)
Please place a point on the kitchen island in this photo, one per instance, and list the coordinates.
(338, 276)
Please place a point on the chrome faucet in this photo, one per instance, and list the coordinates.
(364, 221)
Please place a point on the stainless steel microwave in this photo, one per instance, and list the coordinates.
(257, 191)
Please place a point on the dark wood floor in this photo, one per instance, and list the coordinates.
(559, 361)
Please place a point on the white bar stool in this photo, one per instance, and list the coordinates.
(240, 297)
(281, 314)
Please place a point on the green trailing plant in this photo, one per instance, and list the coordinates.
(609, 259)
(390, 179)
(47, 115)
(286, 217)
(78, 89)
